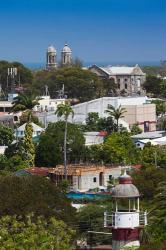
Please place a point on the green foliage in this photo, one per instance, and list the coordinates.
(160, 107)
(34, 233)
(92, 121)
(95, 123)
(15, 157)
(64, 110)
(90, 218)
(116, 113)
(24, 102)
(153, 85)
(155, 70)
(94, 154)
(28, 145)
(6, 135)
(120, 149)
(24, 118)
(147, 180)
(136, 129)
(50, 149)
(33, 194)
(79, 83)
(3, 162)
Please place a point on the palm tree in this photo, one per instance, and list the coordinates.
(24, 103)
(65, 110)
(115, 113)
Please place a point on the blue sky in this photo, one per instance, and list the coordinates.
(96, 30)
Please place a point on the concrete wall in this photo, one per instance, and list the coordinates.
(86, 181)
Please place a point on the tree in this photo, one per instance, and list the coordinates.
(94, 154)
(153, 85)
(24, 118)
(135, 129)
(35, 233)
(6, 135)
(92, 121)
(90, 218)
(65, 110)
(24, 103)
(50, 149)
(33, 194)
(28, 145)
(120, 149)
(116, 113)
(160, 107)
(96, 123)
(147, 181)
(79, 83)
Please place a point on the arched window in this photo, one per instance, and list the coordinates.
(125, 85)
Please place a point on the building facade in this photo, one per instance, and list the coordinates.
(66, 55)
(138, 111)
(129, 80)
(51, 62)
(83, 177)
(51, 57)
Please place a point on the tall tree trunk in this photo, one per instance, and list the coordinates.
(65, 156)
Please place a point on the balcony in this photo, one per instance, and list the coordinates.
(125, 219)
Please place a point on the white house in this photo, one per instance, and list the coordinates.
(20, 132)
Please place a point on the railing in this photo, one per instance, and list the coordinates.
(125, 219)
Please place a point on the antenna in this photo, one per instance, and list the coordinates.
(46, 93)
(11, 73)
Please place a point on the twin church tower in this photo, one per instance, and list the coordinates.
(51, 57)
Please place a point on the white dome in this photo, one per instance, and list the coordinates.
(51, 49)
(66, 48)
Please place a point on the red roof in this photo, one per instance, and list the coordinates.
(137, 167)
(38, 171)
(103, 133)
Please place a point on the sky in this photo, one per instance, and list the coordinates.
(113, 31)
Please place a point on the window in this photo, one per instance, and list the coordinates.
(125, 85)
(15, 118)
(125, 79)
(110, 177)
(94, 179)
(118, 85)
(118, 80)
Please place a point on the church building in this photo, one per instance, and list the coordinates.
(129, 80)
(51, 57)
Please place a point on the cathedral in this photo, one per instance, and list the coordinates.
(51, 57)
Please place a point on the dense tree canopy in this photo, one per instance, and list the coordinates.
(35, 233)
(50, 149)
(79, 83)
(33, 194)
(96, 123)
(6, 135)
(120, 149)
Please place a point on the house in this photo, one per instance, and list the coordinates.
(128, 79)
(85, 177)
(33, 171)
(148, 135)
(94, 138)
(20, 132)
